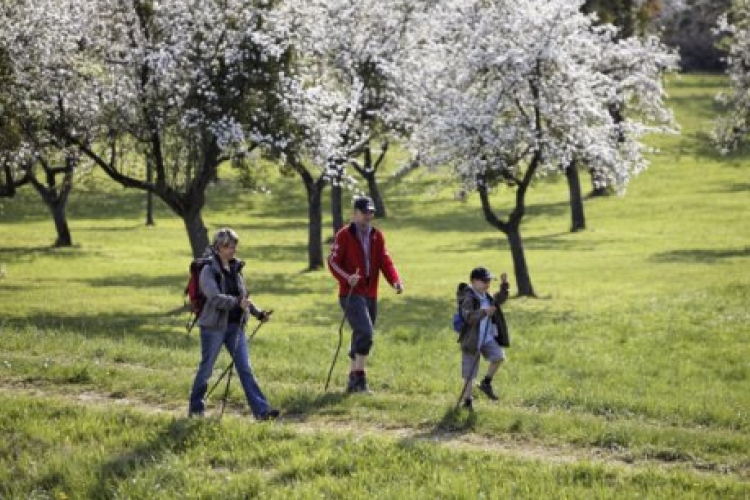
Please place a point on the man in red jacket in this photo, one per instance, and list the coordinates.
(357, 257)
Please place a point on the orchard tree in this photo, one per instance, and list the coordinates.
(636, 68)
(52, 181)
(186, 85)
(27, 156)
(318, 114)
(732, 129)
(331, 99)
(360, 45)
(512, 90)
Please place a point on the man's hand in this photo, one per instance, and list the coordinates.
(489, 311)
(399, 288)
(354, 278)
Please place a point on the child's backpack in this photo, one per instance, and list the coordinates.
(195, 297)
(459, 325)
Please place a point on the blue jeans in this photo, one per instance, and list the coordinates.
(211, 341)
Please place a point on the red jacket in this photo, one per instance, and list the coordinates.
(348, 256)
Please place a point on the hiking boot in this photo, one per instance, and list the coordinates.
(362, 386)
(467, 404)
(352, 385)
(358, 383)
(271, 414)
(486, 387)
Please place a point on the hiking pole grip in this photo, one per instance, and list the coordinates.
(341, 332)
(260, 323)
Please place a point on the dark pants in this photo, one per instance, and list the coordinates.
(361, 314)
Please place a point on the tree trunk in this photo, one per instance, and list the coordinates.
(149, 194)
(314, 190)
(61, 225)
(578, 218)
(511, 227)
(56, 197)
(377, 199)
(520, 267)
(197, 232)
(315, 224)
(337, 218)
(150, 208)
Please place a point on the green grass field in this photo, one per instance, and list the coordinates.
(629, 376)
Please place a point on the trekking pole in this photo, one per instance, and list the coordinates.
(231, 363)
(475, 363)
(341, 333)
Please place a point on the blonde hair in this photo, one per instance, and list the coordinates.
(224, 237)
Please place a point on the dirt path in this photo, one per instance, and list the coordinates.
(459, 440)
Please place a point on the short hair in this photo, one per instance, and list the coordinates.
(224, 237)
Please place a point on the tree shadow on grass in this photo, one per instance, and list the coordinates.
(178, 437)
(471, 219)
(706, 256)
(154, 330)
(738, 187)
(560, 241)
(30, 254)
(263, 284)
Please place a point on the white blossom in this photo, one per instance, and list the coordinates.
(178, 67)
(733, 125)
(500, 84)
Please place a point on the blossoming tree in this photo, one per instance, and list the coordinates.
(362, 45)
(732, 129)
(185, 85)
(339, 96)
(509, 91)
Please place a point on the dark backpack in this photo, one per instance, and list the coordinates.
(459, 325)
(195, 297)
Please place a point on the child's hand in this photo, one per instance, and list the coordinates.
(503, 278)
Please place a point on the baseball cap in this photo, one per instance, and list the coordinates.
(481, 273)
(364, 204)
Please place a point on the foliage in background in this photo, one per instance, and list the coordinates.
(688, 25)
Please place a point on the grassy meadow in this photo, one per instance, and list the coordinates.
(628, 377)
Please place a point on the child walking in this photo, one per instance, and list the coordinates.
(486, 332)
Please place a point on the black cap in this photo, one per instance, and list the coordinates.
(364, 204)
(481, 273)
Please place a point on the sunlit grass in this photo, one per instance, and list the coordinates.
(635, 351)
